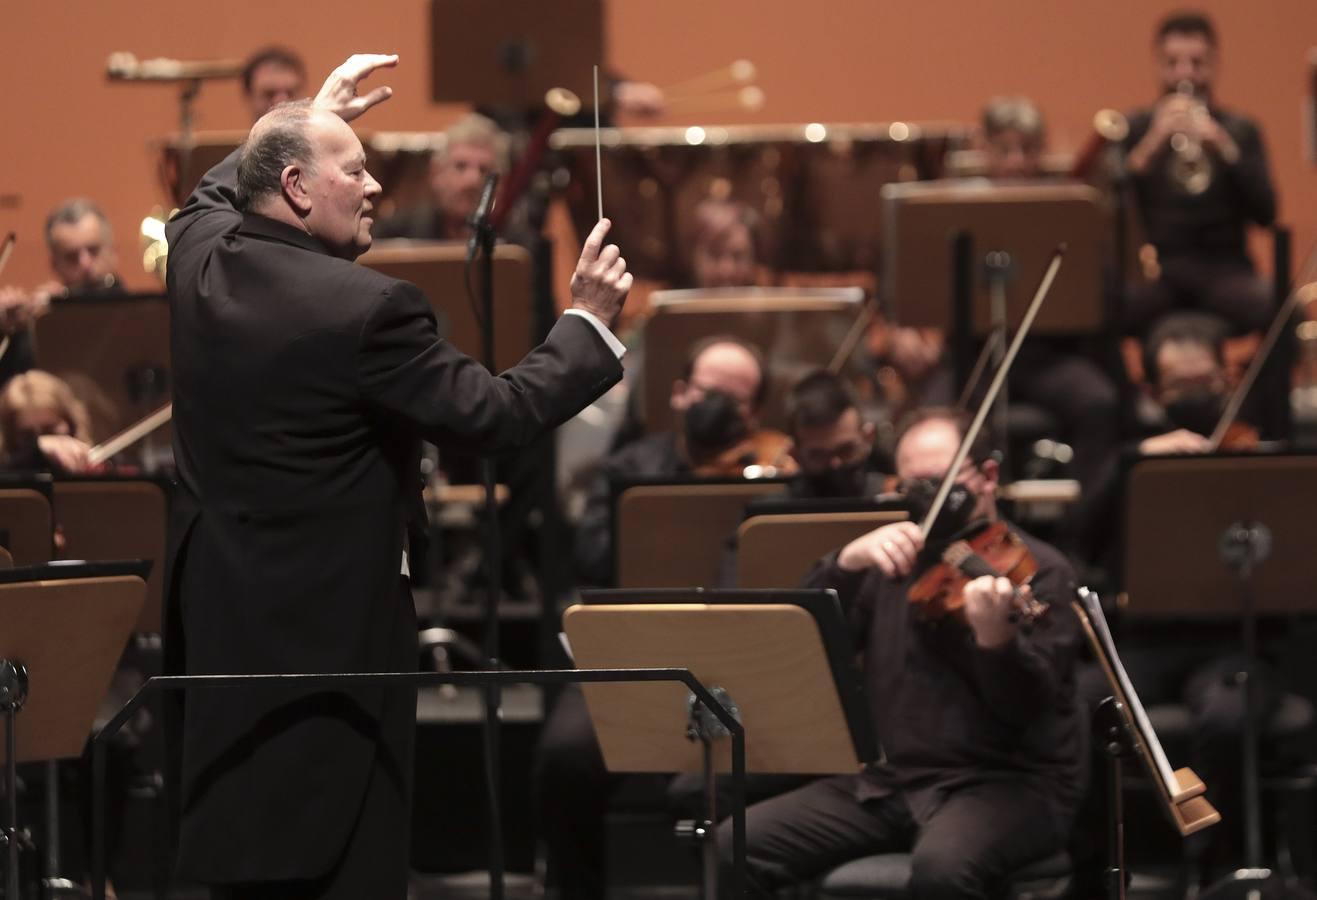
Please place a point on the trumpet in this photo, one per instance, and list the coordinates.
(1191, 168)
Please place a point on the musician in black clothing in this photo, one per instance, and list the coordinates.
(1200, 177)
(982, 735)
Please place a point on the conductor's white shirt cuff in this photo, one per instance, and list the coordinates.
(610, 339)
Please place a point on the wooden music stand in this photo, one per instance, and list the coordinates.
(777, 551)
(1025, 221)
(798, 330)
(26, 527)
(56, 675)
(437, 269)
(106, 519)
(672, 534)
(782, 657)
(108, 349)
(507, 56)
(1178, 508)
(1128, 732)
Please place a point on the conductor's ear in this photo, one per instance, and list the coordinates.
(292, 180)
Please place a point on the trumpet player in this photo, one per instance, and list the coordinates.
(1200, 177)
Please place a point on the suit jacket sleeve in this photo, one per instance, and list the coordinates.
(405, 370)
(1251, 176)
(211, 210)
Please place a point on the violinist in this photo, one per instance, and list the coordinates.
(82, 260)
(983, 739)
(44, 426)
(716, 403)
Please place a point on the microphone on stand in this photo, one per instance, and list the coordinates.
(479, 220)
(123, 66)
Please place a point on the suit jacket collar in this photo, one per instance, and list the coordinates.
(271, 229)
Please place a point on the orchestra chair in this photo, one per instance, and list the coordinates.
(886, 876)
(673, 535)
(777, 551)
(26, 525)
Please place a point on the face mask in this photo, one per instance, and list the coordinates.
(842, 481)
(712, 424)
(957, 511)
(1198, 410)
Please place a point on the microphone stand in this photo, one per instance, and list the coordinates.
(482, 243)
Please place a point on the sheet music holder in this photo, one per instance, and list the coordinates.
(785, 659)
(109, 518)
(26, 523)
(1176, 510)
(1180, 790)
(670, 533)
(508, 55)
(53, 676)
(1025, 220)
(437, 268)
(114, 352)
(777, 551)
(797, 329)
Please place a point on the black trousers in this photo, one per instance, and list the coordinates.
(970, 844)
(375, 862)
(573, 789)
(1227, 287)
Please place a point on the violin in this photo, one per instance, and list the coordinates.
(993, 550)
(765, 453)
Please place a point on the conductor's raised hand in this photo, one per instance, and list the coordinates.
(601, 281)
(339, 92)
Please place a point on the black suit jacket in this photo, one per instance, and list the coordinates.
(303, 385)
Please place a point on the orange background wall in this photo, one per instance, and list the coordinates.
(67, 131)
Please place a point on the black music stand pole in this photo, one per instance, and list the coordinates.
(13, 694)
(1111, 730)
(484, 238)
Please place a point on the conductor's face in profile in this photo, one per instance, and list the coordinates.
(337, 189)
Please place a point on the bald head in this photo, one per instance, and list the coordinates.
(727, 366)
(304, 166)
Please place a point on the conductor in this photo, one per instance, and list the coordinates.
(303, 386)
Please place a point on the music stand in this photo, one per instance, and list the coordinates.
(1025, 222)
(783, 661)
(438, 270)
(26, 524)
(507, 56)
(68, 670)
(114, 352)
(777, 551)
(798, 330)
(670, 533)
(1230, 543)
(110, 518)
(1128, 732)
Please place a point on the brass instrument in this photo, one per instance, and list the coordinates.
(155, 248)
(1110, 127)
(1191, 169)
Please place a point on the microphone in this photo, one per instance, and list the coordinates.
(479, 220)
(127, 67)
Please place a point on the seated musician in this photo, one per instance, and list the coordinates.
(724, 245)
(716, 403)
(44, 427)
(474, 147)
(978, 719)
(272, 75)
(1053, 373)
(1196, 213)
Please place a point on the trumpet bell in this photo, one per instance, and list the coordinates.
(155, 247)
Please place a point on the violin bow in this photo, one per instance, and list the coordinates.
(131, 435)
(6, 251)
(1305, 291)
(998, 379)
